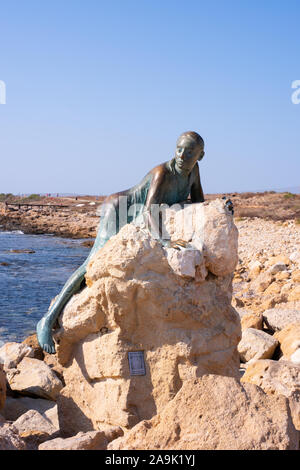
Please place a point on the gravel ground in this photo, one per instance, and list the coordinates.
(267, 238)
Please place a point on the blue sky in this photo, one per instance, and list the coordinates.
(98, 92)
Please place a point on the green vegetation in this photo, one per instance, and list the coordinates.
(32, 197)
(289, 195)
(5, 197)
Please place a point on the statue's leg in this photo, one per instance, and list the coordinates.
(45, 325)
(107, 229)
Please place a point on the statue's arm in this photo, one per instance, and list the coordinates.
(155, 196)
(197, 194)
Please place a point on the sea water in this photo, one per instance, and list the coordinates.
(28, 281)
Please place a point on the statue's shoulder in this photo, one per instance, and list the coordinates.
(163, 170)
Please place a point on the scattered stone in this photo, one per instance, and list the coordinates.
(276, 268)
(35, 429)
(12, 353)
(216, 413)
(10, 439)
(93, 440)
(252, 320)
(33, 343)
(34, 378)
(278, 318)
(289, 339)
(294, 294)
(280, 378)
(256, 344)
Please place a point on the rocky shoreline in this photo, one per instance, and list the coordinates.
(78, 217)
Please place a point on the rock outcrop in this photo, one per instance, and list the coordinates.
(216, 413)
(171, 308)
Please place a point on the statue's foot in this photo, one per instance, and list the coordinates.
(44, 336)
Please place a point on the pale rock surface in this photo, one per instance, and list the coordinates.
(279, 318)
(93, 440)
(35, 429)
(135, 301)
(216, 413)
(295, 357)
(2, 387)
(277, 377)
(12, 353)
(209, 227)
(34, 377)
(256, 344)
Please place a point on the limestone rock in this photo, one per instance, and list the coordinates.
(263, 280)
(276, 268)
(10, 439)
(279, 318)
(289, 339)
(255, 268)
(256, 344)
(93, 440)
(251, 320)
(214, 413)
(33, 343)
(277, 377)
(294, 294)
(185, 262)
(34, 377)
(208, 227)
(134, 301)
(12, 353)
(2, 387)
(35, 429)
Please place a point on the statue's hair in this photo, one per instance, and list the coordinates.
(196, 137)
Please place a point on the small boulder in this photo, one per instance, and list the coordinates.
(35, 429)
(278, 318)
(10, 439)
(34, 378)
(289, 339)
(256, 344)
(92, 440)
(277, 377)
(251, 320)
(13, 353)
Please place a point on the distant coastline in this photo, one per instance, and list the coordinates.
(77, 217)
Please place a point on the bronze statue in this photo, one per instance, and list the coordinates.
(169, 183)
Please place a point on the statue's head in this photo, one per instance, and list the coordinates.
(189, 150)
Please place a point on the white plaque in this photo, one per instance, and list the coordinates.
(136, 363)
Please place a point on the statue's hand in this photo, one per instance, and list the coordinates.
(178, 244)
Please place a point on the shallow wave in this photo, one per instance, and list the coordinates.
(15, 232)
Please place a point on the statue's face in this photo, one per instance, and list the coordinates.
(187, 153)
